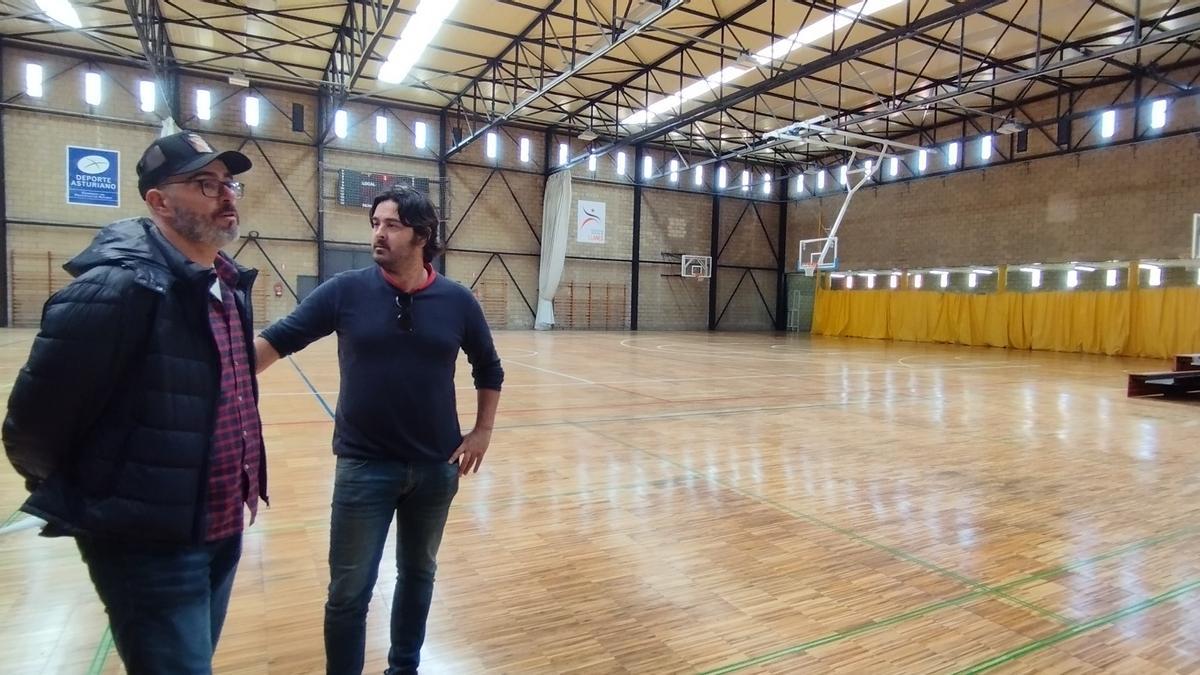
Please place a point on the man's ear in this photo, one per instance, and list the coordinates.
(156, 200)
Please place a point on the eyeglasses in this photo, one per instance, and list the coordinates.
(211, 187)
(405, 317)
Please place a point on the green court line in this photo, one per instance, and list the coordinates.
(102, 651)
(925, 610)
(9, 520)
(1079, 629)
(981, 589)
(890, 550)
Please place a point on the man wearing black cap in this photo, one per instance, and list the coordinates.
(135, 421)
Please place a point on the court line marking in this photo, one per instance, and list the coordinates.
(527, 353)
(18, 524)
(718, 412)
(925, 610)
(548, 371)
(103, 649)
(891, 550)
(732, 355)
(982, 590)
(9, 520)
(1080, 629)
(316, 393)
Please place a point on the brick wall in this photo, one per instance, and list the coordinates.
(673, 223)
(1122, 203)
(1114, 199)
(495, 205)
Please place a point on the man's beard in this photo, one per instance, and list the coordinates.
(201, 230)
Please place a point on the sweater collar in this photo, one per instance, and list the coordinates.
(394, 283)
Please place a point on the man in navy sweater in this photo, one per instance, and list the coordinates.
(399, 447)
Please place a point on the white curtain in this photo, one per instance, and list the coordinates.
(556, 216)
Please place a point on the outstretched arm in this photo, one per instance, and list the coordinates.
(315, 318)
(264, 354)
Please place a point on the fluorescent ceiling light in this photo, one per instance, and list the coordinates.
(418, 33)
(60, 11)
(779, 49)
(818, 30)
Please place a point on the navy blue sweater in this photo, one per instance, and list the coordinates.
(396, 399)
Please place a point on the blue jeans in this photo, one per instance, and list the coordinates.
(165, 605)
(366, 494)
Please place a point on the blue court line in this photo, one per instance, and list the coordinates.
(316, 393)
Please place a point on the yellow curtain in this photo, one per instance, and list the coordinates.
(1157, 323)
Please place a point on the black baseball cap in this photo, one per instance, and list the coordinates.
(182, 153)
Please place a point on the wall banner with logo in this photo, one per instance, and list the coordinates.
(93, 177)
(591, 222)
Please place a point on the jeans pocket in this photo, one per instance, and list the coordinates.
(352, 463)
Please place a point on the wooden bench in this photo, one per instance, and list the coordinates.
(1177, 383)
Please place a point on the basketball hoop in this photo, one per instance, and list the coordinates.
(697, 267)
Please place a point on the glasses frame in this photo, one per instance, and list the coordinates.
(238, 188)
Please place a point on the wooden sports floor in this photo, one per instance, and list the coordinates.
(750, 503)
